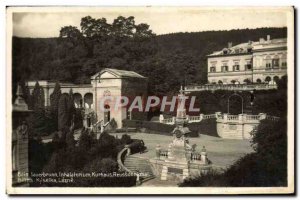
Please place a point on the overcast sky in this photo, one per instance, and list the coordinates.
(47, 23)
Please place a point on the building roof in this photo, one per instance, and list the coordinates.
(243, 48)
(119, 73)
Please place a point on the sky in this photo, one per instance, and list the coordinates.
(45, 22)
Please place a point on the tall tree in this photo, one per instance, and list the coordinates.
(71, 105)
(63, 113)
(26, 94)
(38, 97)
(54, 100)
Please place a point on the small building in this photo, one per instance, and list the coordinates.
(108, 82)
(263, 61)
(118, 83)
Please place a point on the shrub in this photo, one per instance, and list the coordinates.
(126, 139)
(267, 167)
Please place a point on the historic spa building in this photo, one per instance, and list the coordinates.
(263, 61)
(108, 82)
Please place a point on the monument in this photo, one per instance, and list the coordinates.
(180, 160)
(20, 134)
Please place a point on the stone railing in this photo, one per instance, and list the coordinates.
(273, 118)
(219, 116)
(163, 154)
(232, 117)
(244, 118)
(167, 121)
(190, 119)
(230, 87)
(97, 126)
(124, 153)
(196, 156)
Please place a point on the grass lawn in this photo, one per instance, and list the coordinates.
(222, 152)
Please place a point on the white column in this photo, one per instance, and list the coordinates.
(161, 118)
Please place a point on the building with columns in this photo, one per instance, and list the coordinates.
(108, 82)
(263, 61)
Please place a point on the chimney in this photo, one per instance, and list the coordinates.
(268, 38)
(229, 44)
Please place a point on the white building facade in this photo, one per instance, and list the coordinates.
(263, 61)
(108, 82)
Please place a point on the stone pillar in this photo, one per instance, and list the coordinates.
(161, 118)
(218, 114)
(164, 173)
(185, 173)
(83, 102)
(173, 120)
(201, 117)
(187, 118)
(204, 155)
(241, 118)
(47, 96)
(128, 150)
(225, 117)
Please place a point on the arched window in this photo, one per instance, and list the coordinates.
(247, 81)
(268, 79)
(220, 82)
(213, 69)
(276, 79)
(233, 81)
(107, 113)
(258, 80)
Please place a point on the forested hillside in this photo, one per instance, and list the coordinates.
(167, 60)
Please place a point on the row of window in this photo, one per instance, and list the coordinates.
(235, 68)
(247, 81)
(273, 65)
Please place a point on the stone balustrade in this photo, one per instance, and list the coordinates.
(230, 87)
(190, 119)
(196, 156)
(163, 154)
(224, 117)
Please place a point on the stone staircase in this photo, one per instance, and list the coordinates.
(140, 165)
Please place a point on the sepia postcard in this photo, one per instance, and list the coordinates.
(150, 100)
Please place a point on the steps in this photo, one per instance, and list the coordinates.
(140, 165)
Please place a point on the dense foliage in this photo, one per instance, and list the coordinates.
(87, 155)
(266, 167)
(167, 60)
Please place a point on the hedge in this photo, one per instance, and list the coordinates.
(206, 127)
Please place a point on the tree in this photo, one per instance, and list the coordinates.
(54, 100)
(38, 100)
(64, 112)
(71, 106)
(98, 31)
(26, 94)
(266, 167)
(85, 140)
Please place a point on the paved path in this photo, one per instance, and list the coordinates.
(222, 152)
